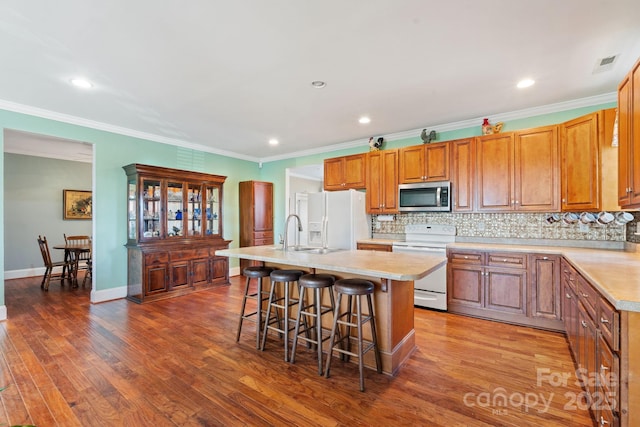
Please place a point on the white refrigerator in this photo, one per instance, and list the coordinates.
(337, 219)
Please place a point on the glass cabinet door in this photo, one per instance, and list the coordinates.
(132, 207)
(151, 209)
(194, 210)
(175, 209)
(213, 210)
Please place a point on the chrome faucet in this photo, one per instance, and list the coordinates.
(285, 246)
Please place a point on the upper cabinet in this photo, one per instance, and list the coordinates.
(427, 162)
(172, 205)
(518, 171)
(629, 139)
(344, 173)
(463, 174)
(584, 143)
(382, 182)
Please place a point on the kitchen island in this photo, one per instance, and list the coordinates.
(392, 273)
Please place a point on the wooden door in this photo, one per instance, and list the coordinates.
(495, 172)
(390, 181)
(156, 279)
(412, 164)
(634, 148)
(463, 172)
(465, 286)
(374, 182)
(219, 269)
(587, 336)
(570, 316)
(506, 290)
(437, 161)
(263, 206)
(545, 287)
(333, 169)
(179, 274)
(200, 271)
(624, 142)
(537, 170)
(580, 158)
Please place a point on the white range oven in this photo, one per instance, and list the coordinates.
(431, 290)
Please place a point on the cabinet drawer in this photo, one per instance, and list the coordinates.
(507, 259)
(568, 274)
(156, 258)
(263, 242)
(257, 235)
(462, 257)
(588, 296)
(374, 247)
(609, 321)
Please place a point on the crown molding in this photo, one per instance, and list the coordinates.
(442, 127)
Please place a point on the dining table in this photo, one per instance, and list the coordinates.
(72, 253)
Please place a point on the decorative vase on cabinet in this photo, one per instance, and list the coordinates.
(171, 247)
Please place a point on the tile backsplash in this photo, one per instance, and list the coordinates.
(510, 225)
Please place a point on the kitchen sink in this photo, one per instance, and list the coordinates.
(306, 249)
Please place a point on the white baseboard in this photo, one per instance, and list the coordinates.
(108, 294)
(3, 312)
(26, 272)
(234, 271)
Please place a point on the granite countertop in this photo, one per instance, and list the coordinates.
(384, 265)
(615, 273)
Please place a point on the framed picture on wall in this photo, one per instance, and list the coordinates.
(76, 204)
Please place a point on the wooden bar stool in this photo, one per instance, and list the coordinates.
(314, 310)
(283, 302)
(350, 288)
(259, 295)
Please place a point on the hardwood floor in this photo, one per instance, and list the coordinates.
(64, 361)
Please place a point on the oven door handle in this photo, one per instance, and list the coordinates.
(409, 249)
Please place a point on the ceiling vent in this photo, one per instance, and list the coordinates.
(604, 64)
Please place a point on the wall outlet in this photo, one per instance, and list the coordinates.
(480, 226)
(584, 228)
(377, 225)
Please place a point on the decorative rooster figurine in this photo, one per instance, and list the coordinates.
(427, 138)
(375, 144)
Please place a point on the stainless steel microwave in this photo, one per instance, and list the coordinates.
(425, 197)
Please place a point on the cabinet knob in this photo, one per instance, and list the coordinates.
(603, 368)
(545, 258)
(603, 422)
(603, 320)
(568, 296)
(504, 260)
(584, 324)
(585, 295)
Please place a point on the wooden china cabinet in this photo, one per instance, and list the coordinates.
(174, 227)
(256, 216)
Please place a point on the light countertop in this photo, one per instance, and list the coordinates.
(384, 265)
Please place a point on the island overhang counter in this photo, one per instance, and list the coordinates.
(392, 273)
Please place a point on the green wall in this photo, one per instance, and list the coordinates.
(112, 151)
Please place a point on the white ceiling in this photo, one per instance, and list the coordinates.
(226, 76)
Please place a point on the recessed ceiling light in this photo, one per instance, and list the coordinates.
(364, 120)
(318, 84)
(273, 141)
(525, 83)
(84, 84)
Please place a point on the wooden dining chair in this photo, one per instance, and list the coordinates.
(84, 259)
(49, 265)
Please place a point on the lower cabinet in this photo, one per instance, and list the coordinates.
(174, 270)
(593, 331)
(505, 286)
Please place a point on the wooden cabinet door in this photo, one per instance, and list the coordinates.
(333, 169)
(200, 271)
(437, 161)
(624, 141)
(180, 274)
(545, 287)
(463, 173)
(344, 173)
(382, 182)
(495, 172)
(156, 279)
(412, 164)
(390, 181)
(219, 269)
(537, 170)
(580, 177)
(263, 206)
(587, 338)
(465, 286)
(506, 290)
(570, 316)
(634, 146)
